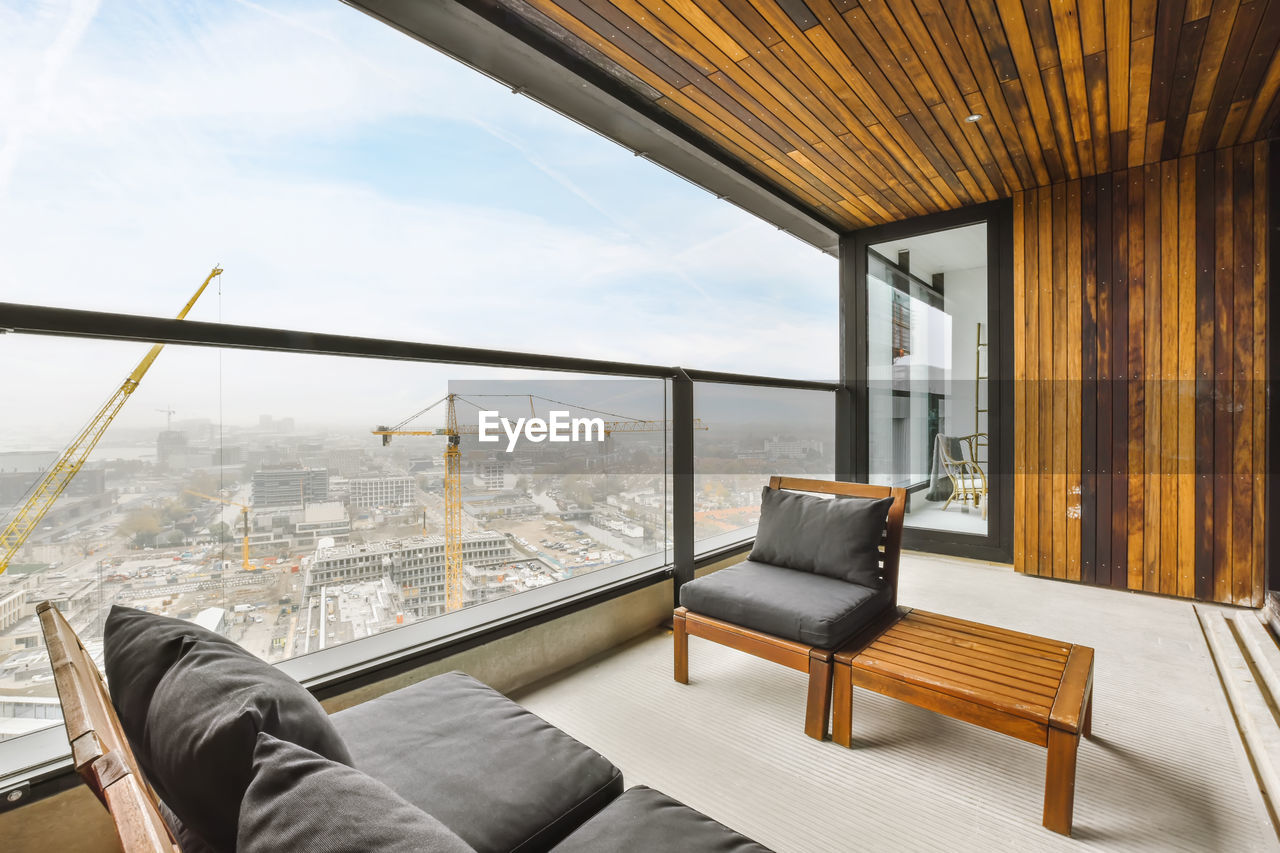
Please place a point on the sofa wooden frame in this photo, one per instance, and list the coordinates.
(99, 748)
(815, 661)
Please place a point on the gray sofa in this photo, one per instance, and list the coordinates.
(503, 778)
(245, 759)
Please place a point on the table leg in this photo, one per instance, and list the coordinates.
(1086, 725)
(680, 638)
(819, 703)
(1060, 780)
(842, 707)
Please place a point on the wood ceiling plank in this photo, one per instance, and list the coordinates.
(707, 26)
(988, 101)
(836, 78)
(774, 77)
(946, 39)
(879, 24)
(1164, 57)
(1093, 27)
(857, 108)
(1221, 19)
(934, 39)
(810, 189)
(1066, 27)
(838, 28)
(1039, 17)
(872, 154)
(1142, 18)
(1139, 87)
(858, 38)
(1117, 21)
(1261, 53)
(1190, 42)
(1019, 126)
(1267, 90)
(1063, 128)
(612, 50)
(1095, 82)
(742, 83)
(1197, 10)
(1239, 45)
(1024, 54)
(608, 21)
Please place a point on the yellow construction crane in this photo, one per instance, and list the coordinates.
(64, 470)
(244, 517)
(453, 473)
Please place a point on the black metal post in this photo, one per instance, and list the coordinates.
(851, 397)
(682, 480)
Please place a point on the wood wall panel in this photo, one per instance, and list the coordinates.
(1140, 361)
(857, 108)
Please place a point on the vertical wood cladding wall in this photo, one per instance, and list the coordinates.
(1140, 302)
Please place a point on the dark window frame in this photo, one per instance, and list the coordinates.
(852, 449)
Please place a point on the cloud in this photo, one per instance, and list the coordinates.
(177, 137)
(68, 22)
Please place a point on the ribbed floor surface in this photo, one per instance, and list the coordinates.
(1165, 770)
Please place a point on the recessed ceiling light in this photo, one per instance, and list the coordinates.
(974, 117)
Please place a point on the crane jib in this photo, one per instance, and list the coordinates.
(73, 458)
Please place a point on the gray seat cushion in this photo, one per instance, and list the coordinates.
(500, 777)
(812, 609)
(301, 801)
(646, 821)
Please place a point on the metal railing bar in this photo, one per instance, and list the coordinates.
(104, 325)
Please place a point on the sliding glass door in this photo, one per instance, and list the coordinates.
(924, 350)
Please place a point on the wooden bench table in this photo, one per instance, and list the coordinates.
(1027, 687)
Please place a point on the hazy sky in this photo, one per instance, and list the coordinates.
(349, 179)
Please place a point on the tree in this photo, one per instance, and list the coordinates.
(219, 531)
(142, 525)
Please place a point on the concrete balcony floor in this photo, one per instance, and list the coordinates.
(1165, 771)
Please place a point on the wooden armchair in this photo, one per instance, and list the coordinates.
(813, 657)
(99, 748)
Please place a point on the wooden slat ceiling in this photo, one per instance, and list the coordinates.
(857, 108)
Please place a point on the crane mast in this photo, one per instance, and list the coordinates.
(63, 471)
(453, 478)
(452, 512)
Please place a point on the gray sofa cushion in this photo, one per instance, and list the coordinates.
(500, 777)
(203, 700)
(301, 801)
(138, 650)
(812, 609)
(837, 537)
(646, 821)
(188, 841)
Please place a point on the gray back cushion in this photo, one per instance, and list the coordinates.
(194, 712)
(838, 537)
(298, 800)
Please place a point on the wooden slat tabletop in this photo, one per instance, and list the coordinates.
(1017, 673)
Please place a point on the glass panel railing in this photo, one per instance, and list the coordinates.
(247, 492)
(753, 433)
